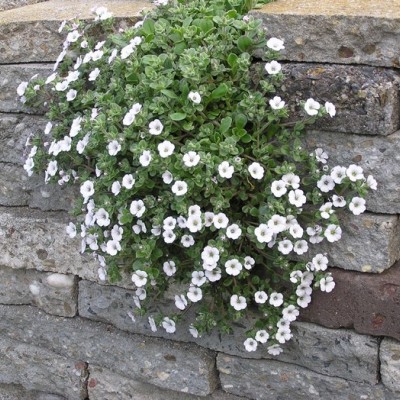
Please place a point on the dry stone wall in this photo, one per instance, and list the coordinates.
(65, 335)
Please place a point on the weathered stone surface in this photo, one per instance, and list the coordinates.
(379, 156)
(390, 364)
(17, 392)
(341, 353)
(369, 303)
(11, 76)
(8, 4)
(30, 34)
(266, 379)
(166, 364)
(369, 243)
(352, 33)
(54, 293)
(15, 129)
(366, 98)
(39, 369)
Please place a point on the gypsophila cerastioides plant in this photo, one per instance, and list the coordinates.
(188, 172)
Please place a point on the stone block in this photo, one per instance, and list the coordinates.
(180, 367)
(369, 303)
(30, 34)
(11, 76)
(366, 98)
(17, 392)
(266, 380)
(344, 32)
(54, 293)
(390, 364)
(8, 4)
(341, 353)
(39, 369)
(379, 156)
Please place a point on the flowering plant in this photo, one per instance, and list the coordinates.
(188, 172)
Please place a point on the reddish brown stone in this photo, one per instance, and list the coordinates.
(369, 303)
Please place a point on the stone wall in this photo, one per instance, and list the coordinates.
(65, 335)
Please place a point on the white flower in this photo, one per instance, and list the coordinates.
(191, 159)
(71, 94)
(278, 188)
(198, 278)
(290, 313)
(169, 325)
(330, 109)
(277, 223)
(250, 344)
(307, 277)
(285, 246)
(296, 231)
(194, 332)
(165, 148)
(127, 51)
(73, 36)
(182, 221)
(194, 223)
(320, 262)
(180, 302)
(249, 262)
(333, 233)
(136, 41)
(273, 67)
(128, 181)
(96, 55)
(137, 208)
(112, 56)
(139, 278)
(321, 155)
(145, 158)
(326, 183)
(233, 231)
(357, 205)
(260, 297)
(179, 188)
(169, 268)
(116, 233)
(194, 210)
(52, 168)
(113, 247)
(291, 180)
(195, 97)
(169, 236)
(277, 103)
(220, 221)
(59, 59)
(276, 299)
(327, 284)
(87, 190)
(355, 173)
(338, 201)
(21, 88)
(283, 335)
(128, 118)
(338, 173)
(208, 218)
(194, 294)
(160, 2)
(263, 233)
(102, 217)
(155, 127)
(152, 324)
(262, 336)
(256, 170)
(102, 13)
(73, 76)
(371, 182)
(214, 275)
(238, 302)
(297, 198)
(210, 255)
(71, 230)
(304, 301)
(141, 293)
(300, 247)
(87, 58)
(113, 147)
(167, 177)
(311, 107)
(169, 223)
(275, 44)
(226, 170)
(51, 78)
(275, 350)
(187, 241)
(62, 86)
(140, 227)
(233, 267)
(94, 74)
(326, 210)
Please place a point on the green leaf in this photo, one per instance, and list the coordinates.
(180, 48)
(244, 43)
(225, 124)
(204, 24)
(246, 138)
(148, 27)
(177, 116)
(240, 121)
(169, 93)
(137, 265)
(219, 92)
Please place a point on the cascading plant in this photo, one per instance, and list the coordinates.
(189, 173)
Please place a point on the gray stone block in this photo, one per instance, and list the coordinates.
(56, 294)
(39, 369)
(379, 156)
(274, 380)
(337, 33)
(341, 353)
(17, 392)
(166, 364)
(390, 364)
(8, 4)
(30, 34)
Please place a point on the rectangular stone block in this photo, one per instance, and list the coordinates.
(56, 294)
(390, 364)
(378, 156)
(266, 379)
(353, 32)
(368, 303)
(8, 4)
(180, 367)
(366, 98)
(39, 369)
(17, 392)
(341, 353)
(30, 34)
